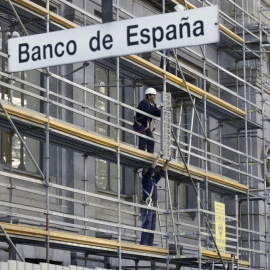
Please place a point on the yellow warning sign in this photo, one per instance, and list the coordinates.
(220, 226)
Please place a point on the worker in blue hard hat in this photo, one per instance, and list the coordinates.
(142, 123)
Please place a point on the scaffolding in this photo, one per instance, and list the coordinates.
(220, 118)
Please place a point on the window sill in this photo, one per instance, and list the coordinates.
(21, 172)
(114, 194)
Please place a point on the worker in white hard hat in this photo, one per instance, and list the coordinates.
(142, 123)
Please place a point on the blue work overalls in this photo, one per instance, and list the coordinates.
(142, 124)
(149, 182)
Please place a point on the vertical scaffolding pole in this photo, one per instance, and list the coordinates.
(218, 71)
(237, 228)
(85, 156)
(220, 147)
(239, 149)
(11, 135)
(199, 226)
(172, 211)
(205, 140)
(246, 132)
(264, 169)
(205, 128)
(47, 144)
(84, 72)
(166, 221)
(118, 149)
(191, 130)
(162, 148)
(178, 131)
(136, 200)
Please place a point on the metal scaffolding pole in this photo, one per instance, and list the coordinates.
(18, 17)
(206, 129)
(167, 187)
(118, 148)
(179, 124)
(198, 195)
(237, 227)
(264, 169)
(190, 135)
(47, 145)
(246, 132)
(188, 91)
(11, 243)
(204, 160)
(11, 187)
(85, 182)
(84, 72)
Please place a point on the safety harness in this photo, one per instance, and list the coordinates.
(140, 124)
(148, 202)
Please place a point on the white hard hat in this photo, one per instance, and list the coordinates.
(150, 91)
(179, 8)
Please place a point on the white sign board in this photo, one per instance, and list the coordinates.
(153, 33)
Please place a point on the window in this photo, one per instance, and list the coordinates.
(106, 172)
(11, 148)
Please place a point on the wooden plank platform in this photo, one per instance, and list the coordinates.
(192, 88)
(36, 232)
(209, 254)
(112, 144)
(39, 233)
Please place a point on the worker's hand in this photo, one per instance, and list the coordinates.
(154, 164)
(164, 168)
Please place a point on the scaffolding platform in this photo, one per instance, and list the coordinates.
(73, 137)
(221, 93)
(21, 234)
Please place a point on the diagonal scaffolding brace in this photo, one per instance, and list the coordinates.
(18, 18)
(11, 243)
(196, 192)
(188, 91)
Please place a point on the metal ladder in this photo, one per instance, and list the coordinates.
(174, 232)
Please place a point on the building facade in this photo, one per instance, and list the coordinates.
(70, 163)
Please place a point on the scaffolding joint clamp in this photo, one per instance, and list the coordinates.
(12, 78)
(47, 185)
(47, 212)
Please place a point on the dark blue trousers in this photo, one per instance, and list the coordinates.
(143, 142)
(149, 224)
